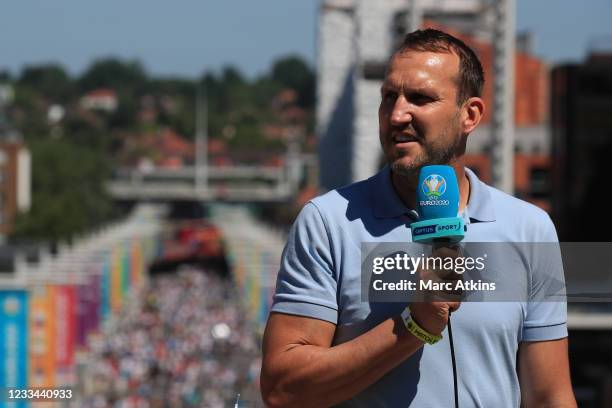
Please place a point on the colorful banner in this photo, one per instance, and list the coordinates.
(136, 264)
(66, 299)
(238, 264)
(80, 312)
(255, 272)
(13, 341)
(125, 269)
(116, 268)
(95, 316)
(42, 336)
(87, 307)
(105, 288)
(65, 334)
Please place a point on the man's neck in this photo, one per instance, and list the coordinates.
(406, 187)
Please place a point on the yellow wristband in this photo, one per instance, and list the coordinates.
(416, 330)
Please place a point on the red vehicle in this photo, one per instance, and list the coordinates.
(191, 241)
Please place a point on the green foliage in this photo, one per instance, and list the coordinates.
(29, 113)
(113, 73)
(128, 79)
(68, 192)
(72, 159)
(5, 76)
(183, 122)
(180, 94)
(293, 73)
(178, 87)
(50, 81)
(81, 133)
(125, 115)
(264, 89)
(231, 77)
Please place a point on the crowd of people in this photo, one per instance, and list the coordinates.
(184, 342)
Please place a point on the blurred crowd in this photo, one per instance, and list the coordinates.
(185, 342)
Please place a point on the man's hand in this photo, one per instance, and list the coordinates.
(433, 308)
(432, 316)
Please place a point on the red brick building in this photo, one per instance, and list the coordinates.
(532, 162)
(531, 84)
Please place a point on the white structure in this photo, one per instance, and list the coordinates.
(24, 180)
(15, 182)
(355, 40)
(100, 99)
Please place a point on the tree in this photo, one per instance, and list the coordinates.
(233, 91)
(292, 72)
(68, 194)
(232, 77)
(264, 89)
(50, 81)
(128, 79)
(113, 73)
(5, 76)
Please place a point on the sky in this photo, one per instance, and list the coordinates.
(188, 37)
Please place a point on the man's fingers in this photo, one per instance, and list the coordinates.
(446, 251)
(452, 306)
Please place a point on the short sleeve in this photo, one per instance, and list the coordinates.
(306, 283)
(546, 316)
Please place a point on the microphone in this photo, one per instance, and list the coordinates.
(438, 205)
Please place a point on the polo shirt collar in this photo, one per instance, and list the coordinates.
(387, 204)
(480, 205)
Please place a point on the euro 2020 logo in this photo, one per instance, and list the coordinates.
(434, 186)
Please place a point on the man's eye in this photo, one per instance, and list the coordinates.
(389, 96)
(420, 99)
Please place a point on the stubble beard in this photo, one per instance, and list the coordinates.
(432, 153)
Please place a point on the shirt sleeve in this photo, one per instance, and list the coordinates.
(306, 283)
(546, 315)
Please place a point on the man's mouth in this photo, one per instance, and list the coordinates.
(404, 138)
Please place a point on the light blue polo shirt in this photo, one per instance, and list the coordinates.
(320, 277)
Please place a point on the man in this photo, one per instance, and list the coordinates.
(323, 346)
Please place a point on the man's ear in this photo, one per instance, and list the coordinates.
(473, 110)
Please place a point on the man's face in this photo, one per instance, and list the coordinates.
(419, 119)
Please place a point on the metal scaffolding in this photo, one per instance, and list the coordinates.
(502, 120)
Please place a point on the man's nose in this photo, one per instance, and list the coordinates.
(401, 113)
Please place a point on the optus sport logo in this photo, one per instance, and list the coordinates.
(434, 228)
(434, 186)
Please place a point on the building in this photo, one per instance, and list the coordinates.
(15, 182)
(15, 168)
(582, 145)
(356, 38)
(100, 99)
